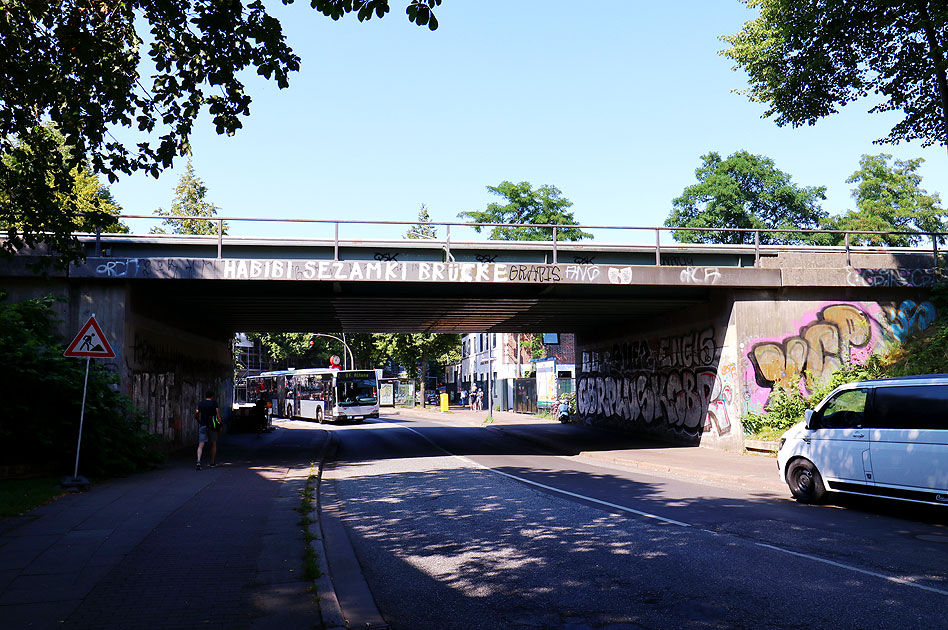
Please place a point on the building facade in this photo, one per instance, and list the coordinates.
(491, 362)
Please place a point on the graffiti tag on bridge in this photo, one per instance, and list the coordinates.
(389, 269)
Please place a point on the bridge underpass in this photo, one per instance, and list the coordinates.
(260, 306)
(676, 351)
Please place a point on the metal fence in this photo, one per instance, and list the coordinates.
(747, 237)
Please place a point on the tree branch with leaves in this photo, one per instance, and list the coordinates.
(76, 63)
(805, 60)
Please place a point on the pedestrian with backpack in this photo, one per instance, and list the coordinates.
(208, 416)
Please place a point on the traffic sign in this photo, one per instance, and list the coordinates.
(90, 342)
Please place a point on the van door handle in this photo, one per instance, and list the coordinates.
(859, 435)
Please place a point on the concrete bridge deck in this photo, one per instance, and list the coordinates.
(404, 285)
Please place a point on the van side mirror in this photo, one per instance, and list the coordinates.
(808, 418)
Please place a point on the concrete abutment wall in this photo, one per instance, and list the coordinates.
(689, 377)
(164, 369)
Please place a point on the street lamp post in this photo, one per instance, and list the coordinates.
(344, 345)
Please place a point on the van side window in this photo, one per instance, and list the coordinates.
(913, 407)
(847, 410)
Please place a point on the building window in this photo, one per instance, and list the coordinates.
(551, 339)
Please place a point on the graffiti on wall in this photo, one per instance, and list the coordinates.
(671, 383)
(902, 277)
(910, 318)
(837, 335)
(819, 349)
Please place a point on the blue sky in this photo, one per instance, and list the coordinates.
(613, 102)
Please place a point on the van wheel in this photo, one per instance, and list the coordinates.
(806, 484)
(319, 415)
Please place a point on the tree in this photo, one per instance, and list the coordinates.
(96, 207)
(423, 229)
(40, 420)
(526, 206)
(76, 63)
(306, 349)
(745, 191)
(189, 200)
(807, 59)
(414, 350)
(889, 198)
(39, 194)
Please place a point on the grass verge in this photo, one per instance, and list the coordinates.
(18, 496)
(310, 560)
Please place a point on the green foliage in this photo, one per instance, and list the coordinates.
(526, 206)
(306, 350)
(805, 60)
(534, 342)
(423, 229)
(43, 199)
(925, 354)
(745, 191)
(18, 496)
(76, 64)
(41, 414)
(889, 198)
(414, 350)
(786, 406)
(189, 200)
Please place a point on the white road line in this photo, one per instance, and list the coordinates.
(551, 488)
(583, 497)
(849, 567)
(839, 565)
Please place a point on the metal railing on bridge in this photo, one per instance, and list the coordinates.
(751, 239)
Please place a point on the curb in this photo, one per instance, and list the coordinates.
(700, 475)
(329, 610)
(762, 446)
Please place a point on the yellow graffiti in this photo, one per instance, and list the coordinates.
(819, 350)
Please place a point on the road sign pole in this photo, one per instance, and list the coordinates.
(82, 414)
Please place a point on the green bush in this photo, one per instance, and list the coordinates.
(39, 423)
(785, 407)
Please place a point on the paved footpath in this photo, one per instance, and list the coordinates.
(172, 548)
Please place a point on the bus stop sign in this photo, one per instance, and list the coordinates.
(90, 342)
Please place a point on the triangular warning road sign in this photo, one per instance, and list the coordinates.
(90, 342)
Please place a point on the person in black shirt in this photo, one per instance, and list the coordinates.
(209, 417)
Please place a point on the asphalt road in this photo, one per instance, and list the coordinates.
(457, 526)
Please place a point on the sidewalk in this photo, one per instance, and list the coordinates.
(171, 548)
(742, 470)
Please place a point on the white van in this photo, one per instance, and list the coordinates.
(887, 437)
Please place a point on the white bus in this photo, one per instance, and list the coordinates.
(324, 394)
(269, 386)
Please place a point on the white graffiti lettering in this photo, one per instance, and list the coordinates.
(700, 275)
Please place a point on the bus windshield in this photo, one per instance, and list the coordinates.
(358, 391)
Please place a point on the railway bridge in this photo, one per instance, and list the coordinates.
(676, 341)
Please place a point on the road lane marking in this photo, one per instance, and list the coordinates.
(551, 488)
(583, 497)
(806, 556)
(849, 567)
